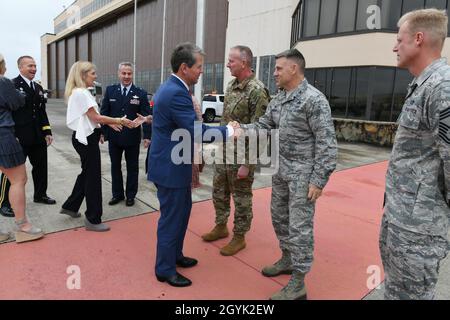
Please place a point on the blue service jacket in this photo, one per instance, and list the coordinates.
(115, 105)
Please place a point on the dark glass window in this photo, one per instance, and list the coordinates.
(410, 5)
(209, 98)
(311, 22)
(347, 14)
(328, 17)
(309, 75)
(357, 103)
(438, 4)
(266, 69)
(339, 92)
(391, 11)
(361, 20)
(221, 98)
(402, 79)
(383, 83)
(323, 80)
(255, 59)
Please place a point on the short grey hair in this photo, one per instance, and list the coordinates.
(246, 54)
(432, 21)
(184, 53)
(126, 64)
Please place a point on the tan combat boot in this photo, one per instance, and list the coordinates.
(236, 244)
(220, 231)
(294, 290)
(282, 266)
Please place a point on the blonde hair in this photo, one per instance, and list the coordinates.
(2, 64)
(431, 21)
(76, 77)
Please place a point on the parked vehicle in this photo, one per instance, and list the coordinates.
(212, 106)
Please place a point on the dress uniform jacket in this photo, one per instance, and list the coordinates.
(32, 125)
(116, 105)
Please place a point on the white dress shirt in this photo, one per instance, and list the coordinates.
(80, 101)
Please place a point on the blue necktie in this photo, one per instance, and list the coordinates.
(124, 91)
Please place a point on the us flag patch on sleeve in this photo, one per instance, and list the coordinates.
(444, 125)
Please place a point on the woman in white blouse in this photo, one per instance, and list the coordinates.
(84, 119)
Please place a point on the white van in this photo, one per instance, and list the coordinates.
(212, 106)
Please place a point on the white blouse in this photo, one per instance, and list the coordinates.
(80, 101)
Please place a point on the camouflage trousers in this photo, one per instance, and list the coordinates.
(411, 262)
(226, 183)
(292, 219)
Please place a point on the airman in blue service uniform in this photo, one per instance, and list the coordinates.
(120, 100)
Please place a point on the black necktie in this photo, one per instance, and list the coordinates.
(124, 91)
(31, 85)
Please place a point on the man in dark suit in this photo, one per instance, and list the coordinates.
(174, 114)
(125, 99)
(33, 130)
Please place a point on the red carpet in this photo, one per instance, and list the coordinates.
(119, 264)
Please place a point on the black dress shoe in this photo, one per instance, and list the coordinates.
(7, 212)
(177, 280)
(114, 201)
(130, 202)
(187, 262)
(45, 200)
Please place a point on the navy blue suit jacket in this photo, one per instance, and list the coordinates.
(173, 110)
(115, 105)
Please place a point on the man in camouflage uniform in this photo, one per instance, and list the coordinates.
(245, 101)
(307, 157)
(413, 237)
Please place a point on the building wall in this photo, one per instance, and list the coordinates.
(354, 50)
(109, 40)
(46, 38)
(263, 25)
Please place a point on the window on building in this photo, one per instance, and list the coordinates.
(311, 18)
(383, 83)
(322, 81)
(347, 14)
(438, 4)
(357, 103)
(219, 78)
(402, 79)
(266, 69)
(362, 15)
(339, 92)
(309, 75)
(328, 17)
(254, 62)
(410, 5)
(391, 11)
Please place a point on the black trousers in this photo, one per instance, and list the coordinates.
(37, 154)
(132, 161)
(89, 181)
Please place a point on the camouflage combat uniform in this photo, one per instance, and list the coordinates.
(413, 237)
(307, 155)
(244, 102)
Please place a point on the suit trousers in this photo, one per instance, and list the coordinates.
(89, 182)
(175, 208)
(38, 158)
(132, 161)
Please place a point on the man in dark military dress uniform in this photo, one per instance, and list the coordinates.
(33, 130)
(125, 99)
